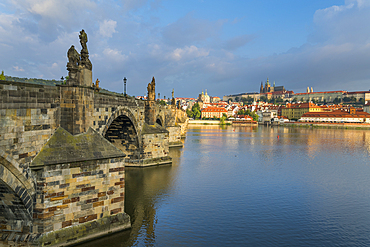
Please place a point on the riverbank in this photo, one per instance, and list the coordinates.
(208, 122)
(360, 126)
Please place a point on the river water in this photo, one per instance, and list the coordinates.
(253, 186)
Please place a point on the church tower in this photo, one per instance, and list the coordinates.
(261, 89)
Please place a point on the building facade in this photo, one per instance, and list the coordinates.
(213, 112)
(295, 111)
(338, 116)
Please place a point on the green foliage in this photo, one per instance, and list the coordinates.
(161, 102)
(295, 99)
(223, 118)
(249, 113)
(346, 99)
(337, 100)
(195, 112)
(65, 80)
(237, 99)
(249, 99)
(263, 98)
(2, 77)
(34, 81)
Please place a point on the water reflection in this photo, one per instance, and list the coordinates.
(253, 186)
(145, 191)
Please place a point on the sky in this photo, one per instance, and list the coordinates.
(224, 47)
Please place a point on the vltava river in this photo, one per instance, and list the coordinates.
(262, 186)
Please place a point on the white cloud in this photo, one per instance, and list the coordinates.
(107, 28)
(16, 68)
(114, 54)
(188, 53)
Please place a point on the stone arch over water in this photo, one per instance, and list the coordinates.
(16, 196)
(122, 130)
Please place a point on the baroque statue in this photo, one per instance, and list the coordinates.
(83, 39)
(73, 58)
(85, 61)
(151, 90)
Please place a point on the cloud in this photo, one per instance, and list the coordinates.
(107, 28)
(114, 54)
(189, 30)
(237, 42)
(129, 38)
(50, 17)
(17, 68)
(341, 24)
(188, 53)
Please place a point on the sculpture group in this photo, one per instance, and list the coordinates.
(75, 59)
(79, 65)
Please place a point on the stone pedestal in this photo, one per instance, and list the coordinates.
(85, 77)
(150, 110)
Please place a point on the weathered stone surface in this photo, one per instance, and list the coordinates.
(63, 147)
(74, 180)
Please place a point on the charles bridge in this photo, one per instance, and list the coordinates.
(63, 153)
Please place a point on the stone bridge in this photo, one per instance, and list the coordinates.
(63, 152)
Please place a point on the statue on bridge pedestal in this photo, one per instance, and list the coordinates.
(151, 90)
(73, 58)
(173, 101)
(85, 61)
(79, 65)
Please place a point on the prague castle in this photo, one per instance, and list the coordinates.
(268, 89)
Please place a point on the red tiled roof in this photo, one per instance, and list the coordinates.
(321, 92)
(337, 113)
(358, 92)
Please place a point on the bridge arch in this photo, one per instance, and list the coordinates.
(159, 120)
(17, 194)
(122, 130)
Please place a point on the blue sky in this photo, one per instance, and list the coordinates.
(225, 47)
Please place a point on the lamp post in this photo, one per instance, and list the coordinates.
(124, 86)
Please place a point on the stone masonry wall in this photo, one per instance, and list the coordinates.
(155, 145)
(174, 135)
(77, 104)
(29, 115)
(72, 194)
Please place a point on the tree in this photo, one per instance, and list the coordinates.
(195, 111)
(189, 113)
(237, 99)
(263, 98)
(337, 100)
(249, 113)
(347, 99)
(2, 76)
(223, 118)
(279, 100)
(295, 99)
(361, 101)
(162, 102)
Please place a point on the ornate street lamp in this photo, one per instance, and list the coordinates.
(124, 86)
